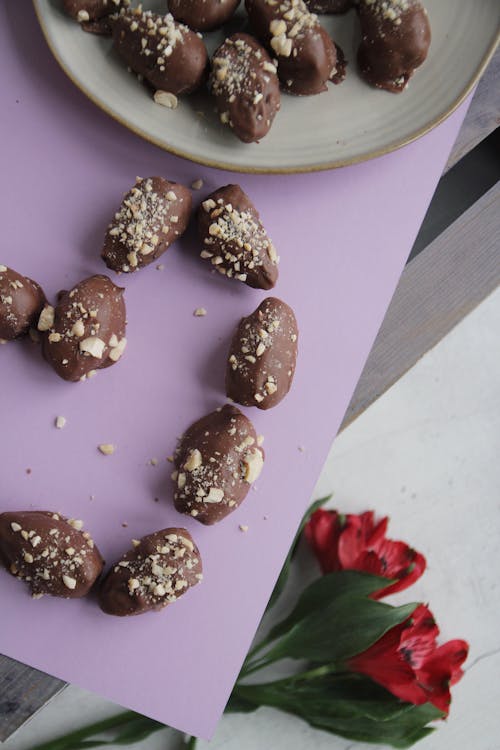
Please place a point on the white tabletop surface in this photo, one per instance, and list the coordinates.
(427, 454)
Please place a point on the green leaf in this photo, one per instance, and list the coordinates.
(343, 628)
(352, 706)
(136, 731)
(401, 732)
(285, 570)
(324, 590)
(129, 728)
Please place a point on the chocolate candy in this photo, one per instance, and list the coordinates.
(217, 460)
(53, 555)
(168, 55)
(86, 330)
(329, 6)
(261, 361)
(396, 36)
(159, 569)
(152, 215)
(21, 300)
(203, 15)
(234, 240)
(306, 55)
(246, 87)
(94, 15)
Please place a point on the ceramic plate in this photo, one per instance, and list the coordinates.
(346, 124)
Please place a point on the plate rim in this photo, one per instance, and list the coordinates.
(323, 167)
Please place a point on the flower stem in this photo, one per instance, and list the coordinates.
(191, 743)
(70, 740)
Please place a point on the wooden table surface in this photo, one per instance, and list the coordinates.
(447, 280)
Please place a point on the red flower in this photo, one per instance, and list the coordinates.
(408, 662)
(354, 542)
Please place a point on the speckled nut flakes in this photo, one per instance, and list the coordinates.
(234, 240)
(246, 87)
(21, 300)
(94, 16)
(395, 40)
(262, 356)
(51, 553)
(153, 214)
(168, 55)
(158, 570)
(217, 461)
(203, 15)
(85, 332)
(305, 53)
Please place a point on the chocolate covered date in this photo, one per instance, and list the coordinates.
(171, 57)
(246, 87)
(152, 215)
(234, 240)
(159, 569)
(262, 356)
(395, 40)
(52, 554)
(217, 460)
(94, 15)
(203, 15)
(85, 332)
(305, 53)
(21, 300)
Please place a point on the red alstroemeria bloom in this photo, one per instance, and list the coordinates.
(408, 662)
(355, 542)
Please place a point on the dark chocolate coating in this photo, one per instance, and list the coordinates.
(53, 555)
(262, 356)
(152, 215)
(395, 41)
(86, 330)
(156, 572)
(246, 87)
(94, 9)
(21, 300)
(217, 460)
(329, 6)
(234, 239)
(167, 54)
(202, 15)
(305, 53)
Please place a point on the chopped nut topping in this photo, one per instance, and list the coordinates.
(253, 463)
(60, 422)
(200, 312)
(215, 495)
(166, 99)
(46, 319)
(92, 345)
(194, 460)
(107, 449)
(69, 582)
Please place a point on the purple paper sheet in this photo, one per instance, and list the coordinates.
(343, 238)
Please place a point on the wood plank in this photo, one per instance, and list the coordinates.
(483, 116)
(23, 691)
(437, 289)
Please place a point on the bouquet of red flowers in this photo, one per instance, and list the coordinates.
(373, 672)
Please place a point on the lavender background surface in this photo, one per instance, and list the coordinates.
(343, 238)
